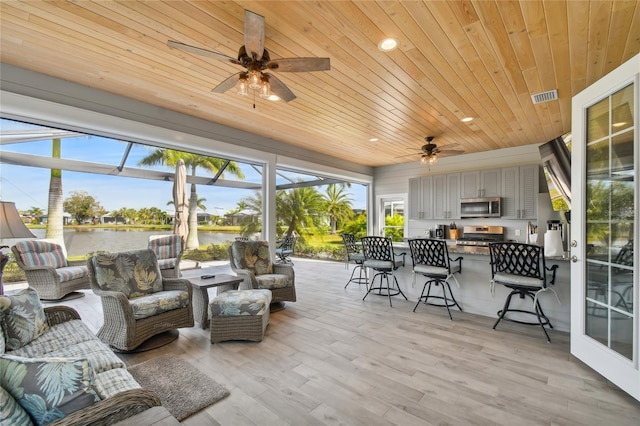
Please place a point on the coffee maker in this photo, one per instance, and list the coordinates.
(441, 231)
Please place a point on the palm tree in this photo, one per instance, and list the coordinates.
(337, 205)
(299, 208)
(55, 210)
(169, 157)
(296, 209)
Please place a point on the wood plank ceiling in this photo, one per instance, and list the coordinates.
(482, 59)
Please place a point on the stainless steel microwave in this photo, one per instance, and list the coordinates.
(480, 207)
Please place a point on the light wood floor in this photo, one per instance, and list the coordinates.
(331, 358)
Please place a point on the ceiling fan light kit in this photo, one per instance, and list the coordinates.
(255, 58)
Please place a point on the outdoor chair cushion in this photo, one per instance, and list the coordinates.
(167, 263)
(270, 281)
(435, 270)
(252, 255)
(162, 301)
(49, 388)
(515, 279)
(240, 302)
(135, 273)
(111, 382)
(22, 318)
(41, 253)
(166, 246)
(71, 272)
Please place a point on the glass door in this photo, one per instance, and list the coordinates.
(604, 275)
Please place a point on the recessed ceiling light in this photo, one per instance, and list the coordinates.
(619, 124)
(373, 140)
(388, 44)
(467, 119)
(273, 98)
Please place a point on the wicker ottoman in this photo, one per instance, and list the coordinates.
(239, 315)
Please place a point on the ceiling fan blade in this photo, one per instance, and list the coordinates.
(449, 145)
(227, 84)
(253, 34)
(203, 52)
(279, 88)
(409, 155)
(450, 151)
(299, 64)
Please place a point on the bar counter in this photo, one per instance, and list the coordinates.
(474, 294)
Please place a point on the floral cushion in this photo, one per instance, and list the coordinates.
(273, 281)
(252, 255)
(11, 413)
(135, 273)
(2, 341)
(22, 318)
(163, 301)
(240, 302)
(48, 388)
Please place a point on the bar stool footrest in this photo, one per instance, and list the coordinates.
(544, 320)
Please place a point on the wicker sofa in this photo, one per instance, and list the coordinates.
(67, 338)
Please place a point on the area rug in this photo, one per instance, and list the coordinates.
(182, 388)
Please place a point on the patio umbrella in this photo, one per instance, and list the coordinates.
(180, 201)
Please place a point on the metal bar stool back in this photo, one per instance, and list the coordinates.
(379, 256)
(431, 259)
(354, 255)
(521, 268)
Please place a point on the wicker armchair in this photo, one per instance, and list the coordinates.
(108, 411)
(168, 250)
(251, 260)
(47, 269)
(137, 301)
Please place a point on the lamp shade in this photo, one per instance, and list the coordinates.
(11, 225)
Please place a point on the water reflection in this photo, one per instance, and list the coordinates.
(85, 240)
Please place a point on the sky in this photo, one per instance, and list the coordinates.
(29, 186)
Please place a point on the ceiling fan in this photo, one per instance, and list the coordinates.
(430, 151)
(255, 59)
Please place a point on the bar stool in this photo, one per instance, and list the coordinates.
(355, 255)
(521, 267)
(379, 256)
(431, 259)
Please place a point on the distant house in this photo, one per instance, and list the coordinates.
(237, 218)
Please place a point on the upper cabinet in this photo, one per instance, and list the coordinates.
(446, 196)
(435, 197)
(420, 199)
(483, 183)
(520, 192)
(438, 196)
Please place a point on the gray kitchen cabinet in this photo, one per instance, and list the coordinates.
(481, 183)
(420, 198)
(520, 192)
(446, 196)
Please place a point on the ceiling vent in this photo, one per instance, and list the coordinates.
(547, 96)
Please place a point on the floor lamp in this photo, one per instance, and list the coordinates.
(11, 226)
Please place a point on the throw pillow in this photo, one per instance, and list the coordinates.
(23, 318)
(48, 388)
(11, 413)
(134, 273)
